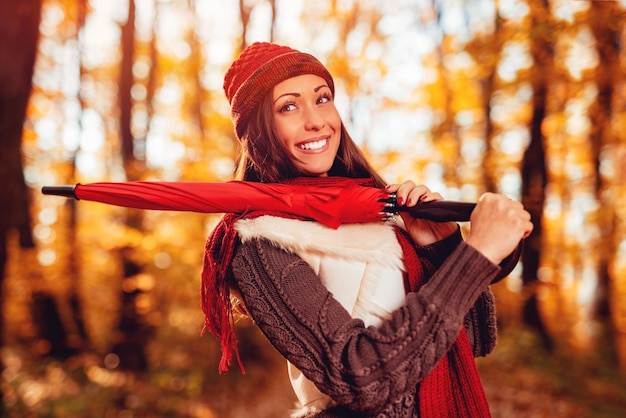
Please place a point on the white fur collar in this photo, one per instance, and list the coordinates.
(371, 242)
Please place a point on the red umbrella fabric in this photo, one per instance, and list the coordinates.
(332, 205)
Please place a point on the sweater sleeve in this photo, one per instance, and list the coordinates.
(481, 324)
(480, 321)
(361, 368)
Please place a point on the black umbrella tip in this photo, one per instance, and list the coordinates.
(66, 191)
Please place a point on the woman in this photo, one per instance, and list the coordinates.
(375, 320)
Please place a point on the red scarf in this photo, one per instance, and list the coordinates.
(452, 389)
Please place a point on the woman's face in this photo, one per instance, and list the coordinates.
(307, 122)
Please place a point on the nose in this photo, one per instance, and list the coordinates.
(314, 120)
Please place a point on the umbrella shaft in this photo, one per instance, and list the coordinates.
(436, 210)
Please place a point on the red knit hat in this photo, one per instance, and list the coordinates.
(258, 69)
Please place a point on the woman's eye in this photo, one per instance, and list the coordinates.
(324, 99)
(287, 107)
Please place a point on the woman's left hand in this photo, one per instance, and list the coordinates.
(422, 231)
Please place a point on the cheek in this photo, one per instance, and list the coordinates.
(334, 119)
(286, 132)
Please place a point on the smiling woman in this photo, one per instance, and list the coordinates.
(374, 319)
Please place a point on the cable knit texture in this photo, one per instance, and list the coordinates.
(360, 264)
(369, 372)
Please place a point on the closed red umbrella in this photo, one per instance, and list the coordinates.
(332, 205)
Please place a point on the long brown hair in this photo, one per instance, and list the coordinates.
(264, 158)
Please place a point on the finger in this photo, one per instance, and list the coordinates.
(429, 197)
(416, 194)
(403, 191)
(409, 193)
(392, 187)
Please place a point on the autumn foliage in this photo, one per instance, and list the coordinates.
(101, 306)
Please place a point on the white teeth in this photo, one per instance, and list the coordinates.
(313, 145)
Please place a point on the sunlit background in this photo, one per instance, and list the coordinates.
(449, 93)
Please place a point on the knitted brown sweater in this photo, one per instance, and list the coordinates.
(369, 372)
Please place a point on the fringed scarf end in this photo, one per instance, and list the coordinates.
(228, 346)
(215, 292)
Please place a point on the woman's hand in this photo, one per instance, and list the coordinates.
(422, 232)
(497, 225)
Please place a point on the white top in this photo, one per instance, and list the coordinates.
(362, 265)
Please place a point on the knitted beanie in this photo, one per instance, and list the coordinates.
(258, 69)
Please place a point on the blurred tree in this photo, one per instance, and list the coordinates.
(446, 129)
(19, 25)
(58, 315)
(608, 75)
(195, 63)
(486, 48)
(245, 11)
(133, 166)
(576, 239)
(534, 176)
(608, 142)
(133, 331)
(74, 325)
(244, 15)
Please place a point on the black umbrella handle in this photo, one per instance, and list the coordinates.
(435, 210)
(450, 211)
(67, 191)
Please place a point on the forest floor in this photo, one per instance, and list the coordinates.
(521, 379)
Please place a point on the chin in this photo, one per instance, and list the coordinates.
(322, 172)
(315, 171)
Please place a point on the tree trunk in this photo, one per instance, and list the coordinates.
(244, 13)
(133, 331)
(19, 25)
(125, 86)
(604, 23)
(446, 132)
(533, 197)
(534, 176)
(58, 318)
(273, 25)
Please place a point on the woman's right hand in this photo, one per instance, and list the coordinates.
(497, 225)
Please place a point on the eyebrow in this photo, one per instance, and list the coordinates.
(316, 89)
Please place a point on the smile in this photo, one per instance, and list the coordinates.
(315, 145)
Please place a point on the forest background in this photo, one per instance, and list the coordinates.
(100, 305)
